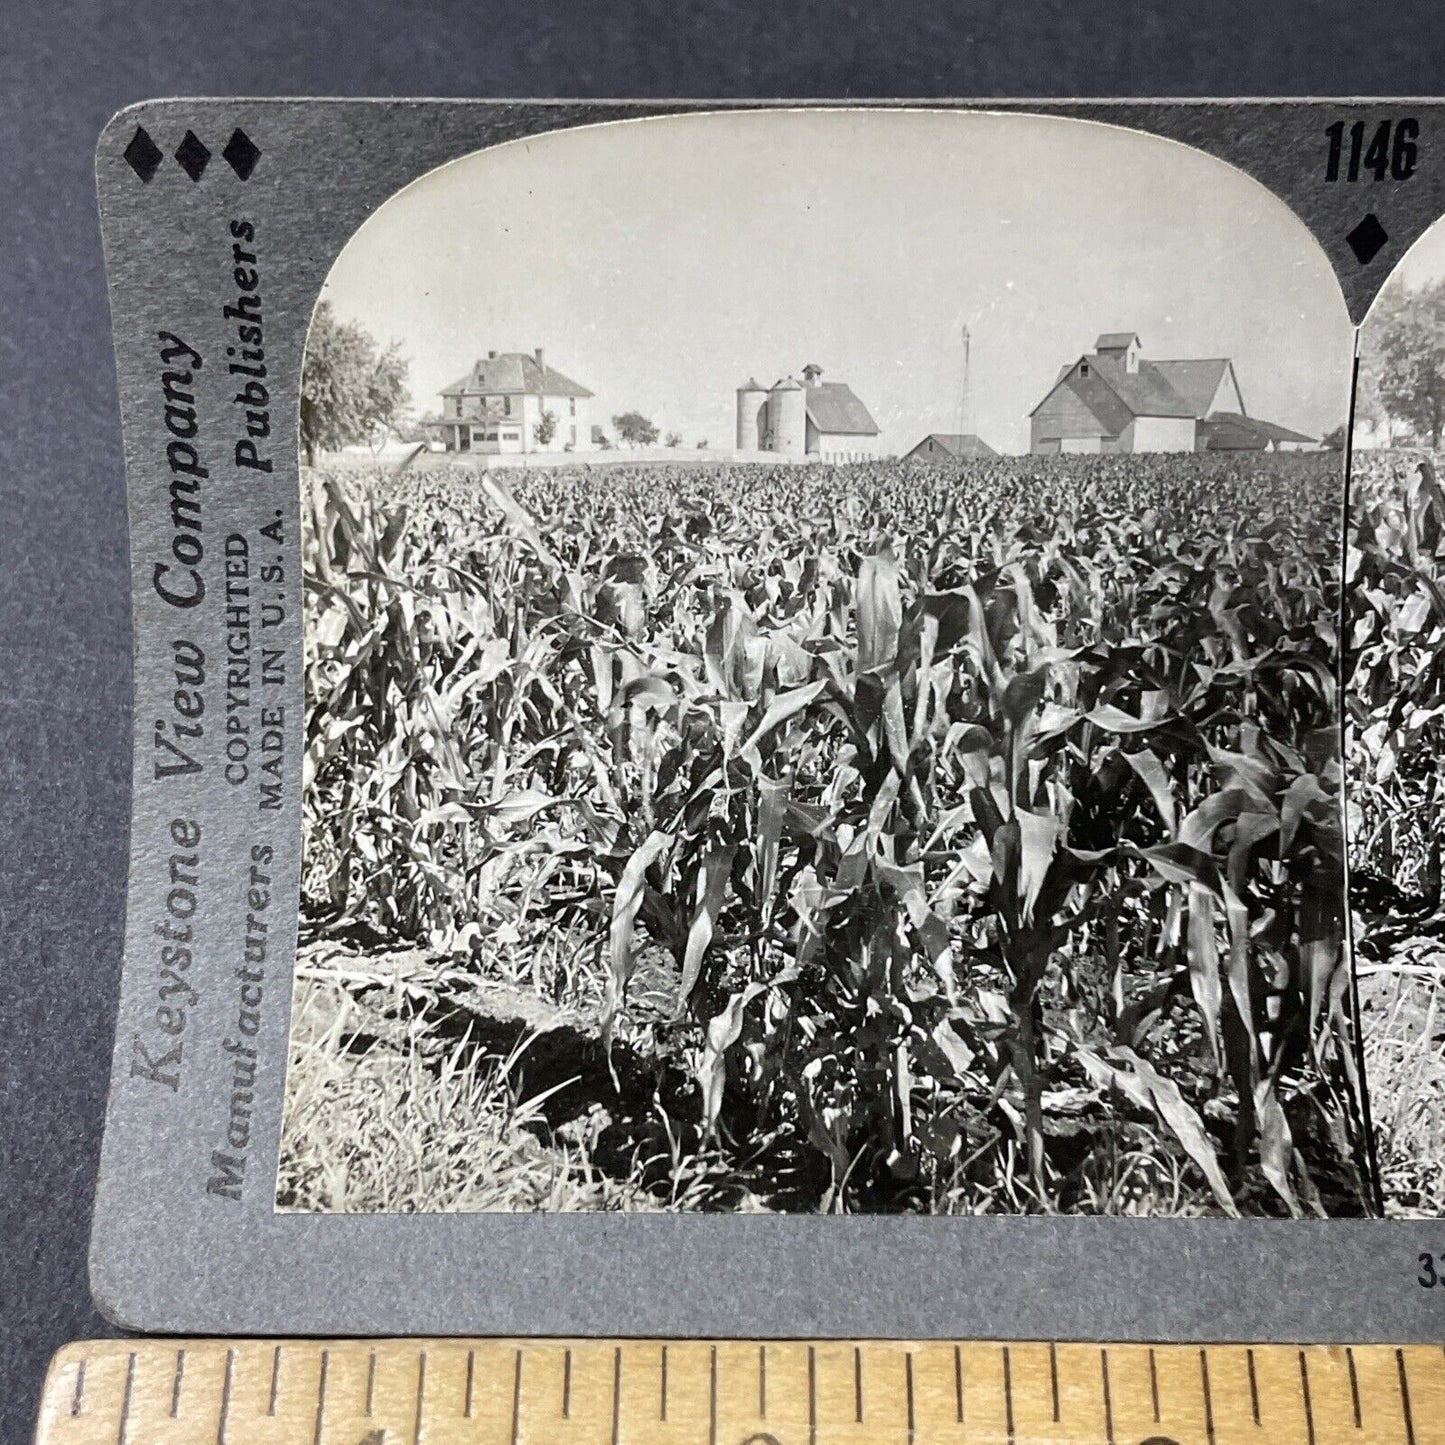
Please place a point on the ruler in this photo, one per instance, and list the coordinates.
(636, 1392)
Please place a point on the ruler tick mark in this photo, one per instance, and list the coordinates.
(275, 1380)
(1253, 1387)
(1208, 1398)
(812, 1397)
(516, 1394)
(79, 1395)
(130, 1385)
(908, 1377)
(1054, 1378)
(664, 1382)
(370, 1387)
(321, 1397)
(1405, 1398)
(1304, 1385)
(567, 1384)
(616, 1394)
(1154, 1385)
(176, 1383)
(762, 1382)
(1108, 1397)
(225, 1397)
(420, 1397)
(712, 1397)
(471, 1376)
(958, 1382)
(1008, 1396)
(858, 1384)
(1354, 1385)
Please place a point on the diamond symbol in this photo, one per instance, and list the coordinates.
(241, 153)
(143, 155)
(192, 155)
(1367, 238)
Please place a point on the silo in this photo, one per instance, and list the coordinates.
(788, 417)
(752, 398)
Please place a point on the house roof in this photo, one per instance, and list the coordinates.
(515, 373)
(833, 408)
(1230, 431)
(1116, 340)
(958, 444)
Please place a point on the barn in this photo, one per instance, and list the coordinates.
(957, 446)
(809, 418)
(1113, 399)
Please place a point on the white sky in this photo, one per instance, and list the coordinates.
(1423, 262)
(662, 262)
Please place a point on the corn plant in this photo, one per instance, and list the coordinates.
(982, 809)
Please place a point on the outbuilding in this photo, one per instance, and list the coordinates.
(956, 446)
(824, 420)
(1113, 399)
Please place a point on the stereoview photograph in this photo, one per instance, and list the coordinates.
(1395, 718)
(821, 682)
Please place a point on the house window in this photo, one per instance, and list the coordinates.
(572, 406)
(507, 405)
(1083, 368)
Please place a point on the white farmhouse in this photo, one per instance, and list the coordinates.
(501, 404)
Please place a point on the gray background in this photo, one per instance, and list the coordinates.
(64, 623)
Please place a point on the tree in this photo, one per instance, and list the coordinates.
(1334, 440)
(546, 428)
(1407, 358)
(673, 439)
(634, 429)
(350, 390)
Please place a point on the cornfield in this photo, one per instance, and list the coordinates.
(1395, 710)
(983, 821)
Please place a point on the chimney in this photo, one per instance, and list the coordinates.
(541, 356)
(491, 356)
(811, 372)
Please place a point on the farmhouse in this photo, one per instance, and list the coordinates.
(959, 446)
(811, 418)
(1114, 400)
(502, 405)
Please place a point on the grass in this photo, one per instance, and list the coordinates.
(391, 1107)
(380, 1127)
(1403, 1002)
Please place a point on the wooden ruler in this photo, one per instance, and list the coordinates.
(631, 1392)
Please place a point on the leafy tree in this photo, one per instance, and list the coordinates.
(1407, 358)
(673, 439)
(350, 389)
(635, 429)
(1334, 440)
(546, 428)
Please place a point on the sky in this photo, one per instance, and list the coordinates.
(663, 262)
